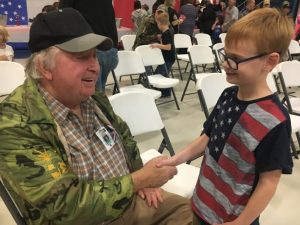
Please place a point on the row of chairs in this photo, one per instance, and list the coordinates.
(136, 62)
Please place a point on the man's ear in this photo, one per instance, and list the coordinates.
(272, 61)
(43, 70)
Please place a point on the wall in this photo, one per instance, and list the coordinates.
(35, 6)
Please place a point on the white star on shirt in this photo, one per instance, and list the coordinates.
(23, 18)
(225, 93)
(19, 6)
(223, 135)
(237, 108)
(2, 6)
(11, 19)
(15, 13)
(222, 112)
(229, 109)
(216, 149)
(215, 137)
(224, 103)
(229, 121)
(221, 123)
(9, 3)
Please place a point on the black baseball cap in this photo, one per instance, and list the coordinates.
(67, 30)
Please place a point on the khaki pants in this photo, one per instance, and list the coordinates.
(174, 210)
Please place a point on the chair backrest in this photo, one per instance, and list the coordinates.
(201, 54)
(210, 86)
(138, 110)
(289, 77)
(130, 62)
(12, 208)
(294, 47)
(290, 73)
(216, 47)
(203, 39)
(222, 37)
(182, 41)
(12, 75)
(271, 82)
(150, 56)
(128, 41)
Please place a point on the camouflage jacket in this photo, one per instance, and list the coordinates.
(34, 165)
(147, 32)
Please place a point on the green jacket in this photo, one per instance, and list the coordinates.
(147, 32)
(34, 165)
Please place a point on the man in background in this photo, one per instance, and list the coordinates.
(101, 17)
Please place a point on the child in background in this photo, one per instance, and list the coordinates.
(6, 51)
(217, 29)
(167, 47)
(246, 139)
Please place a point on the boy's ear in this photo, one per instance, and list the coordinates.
(43, 70)
(272, 61)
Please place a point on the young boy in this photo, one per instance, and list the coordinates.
(167, 46)
(246, 139)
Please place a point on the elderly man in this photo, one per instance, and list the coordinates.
(54, 130)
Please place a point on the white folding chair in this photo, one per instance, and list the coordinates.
(216, 47)
(289, 77)
(10, 204)
(128, 41)
(209, 88)
(203, 39)
(153, 57)
(295, 119)
(182, 41)
(130, 63)
(199, 55)
(12, 75)
(222, 37)
(294, 49)
(140, 113)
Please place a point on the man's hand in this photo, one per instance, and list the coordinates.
(153, 196)
(151, 176)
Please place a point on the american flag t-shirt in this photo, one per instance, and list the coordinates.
(16, 11)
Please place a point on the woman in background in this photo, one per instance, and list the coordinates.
(189, 12)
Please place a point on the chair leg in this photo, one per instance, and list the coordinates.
(166, 143)
(179, 69)
(186, 67)
(186, 86)
(293, 147)
(175, 98)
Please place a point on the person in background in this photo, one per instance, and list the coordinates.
(100, 15)
(6, 51)
(246, 139)
(286, 8)
(207, 18)
(174, 18)
(146, 8)
(156, 4)
(217, 29)
(56, 5)
(250, 6)
(167, 47)
(148, 31)
(189, 12)
(138, 14)
(65, 156)
(231, 15)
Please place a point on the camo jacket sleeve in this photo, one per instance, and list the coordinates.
(34, 166)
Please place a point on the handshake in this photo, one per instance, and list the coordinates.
(155, 173)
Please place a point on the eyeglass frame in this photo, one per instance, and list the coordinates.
(237, 61)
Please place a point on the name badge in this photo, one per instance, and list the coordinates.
(106, 138)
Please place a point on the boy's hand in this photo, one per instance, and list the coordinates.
(166, 162)
(154, 45)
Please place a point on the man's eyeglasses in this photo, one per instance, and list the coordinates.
(234, 62)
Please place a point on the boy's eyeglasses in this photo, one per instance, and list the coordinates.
(233, 62)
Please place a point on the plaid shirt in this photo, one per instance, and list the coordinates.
(88, 156)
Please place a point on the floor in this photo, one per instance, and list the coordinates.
(185, 125)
